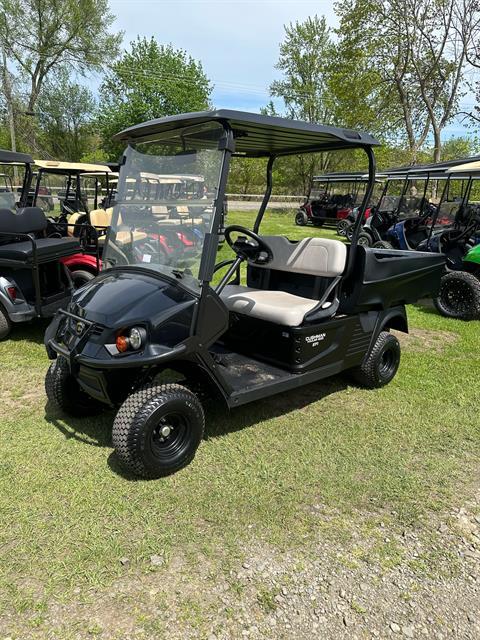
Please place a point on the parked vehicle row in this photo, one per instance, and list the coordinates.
(433, 208)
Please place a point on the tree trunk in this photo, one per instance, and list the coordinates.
(437, 151)
(7, 87)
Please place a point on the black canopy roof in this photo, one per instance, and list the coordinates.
(257, 135)
(12, 157)
(431, 168)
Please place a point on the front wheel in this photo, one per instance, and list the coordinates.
(157, 430)
(342, 227)
(459, 296)
(381, 363)
(65, 393)
(301, 218)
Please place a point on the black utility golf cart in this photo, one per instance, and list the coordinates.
(308, 309)
(459, 242)
(34, 282)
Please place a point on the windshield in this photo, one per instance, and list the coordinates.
(164, 205)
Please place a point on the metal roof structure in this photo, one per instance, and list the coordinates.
(56, 166)
(255, 135)
(14, 158)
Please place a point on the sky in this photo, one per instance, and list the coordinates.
(237, 41)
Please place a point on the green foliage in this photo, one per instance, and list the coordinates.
(399, 66)
(304, 60)
(65, 112)
(40, 36)
(149, 81)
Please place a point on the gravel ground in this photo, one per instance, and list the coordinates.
(422, 582)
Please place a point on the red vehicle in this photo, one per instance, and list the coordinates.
(336, 196)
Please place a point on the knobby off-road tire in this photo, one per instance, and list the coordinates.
(459, 296)
(5, 324)
(65, 393)
(379, 365)
(157, 430)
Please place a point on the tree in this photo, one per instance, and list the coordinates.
(149, 81)
(40, 35)
(411, 55)
(65, 113)
(304, 60)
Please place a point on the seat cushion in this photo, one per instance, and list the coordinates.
(47, 249)
(314, 256)
(275, 306)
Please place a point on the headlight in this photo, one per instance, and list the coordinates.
(133, 341)
(136, 338)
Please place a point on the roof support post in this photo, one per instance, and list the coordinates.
(363, 207)
(268, 193)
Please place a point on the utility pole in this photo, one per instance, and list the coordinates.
(7, 88)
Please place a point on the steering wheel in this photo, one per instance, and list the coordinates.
(248, 246)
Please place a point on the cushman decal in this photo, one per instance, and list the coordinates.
(314, 340)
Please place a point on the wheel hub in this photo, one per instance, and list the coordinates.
(165, 431)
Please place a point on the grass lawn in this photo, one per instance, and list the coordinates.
(68, 516)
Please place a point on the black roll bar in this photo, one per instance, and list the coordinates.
(266, 197)
(357, 225)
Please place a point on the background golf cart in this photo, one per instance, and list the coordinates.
(308, 310)
(33, 280)
(335, 196)
(459, 295)
(409, 199)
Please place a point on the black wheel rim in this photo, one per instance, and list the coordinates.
(457, 296)
(388, 363)
(169, 437)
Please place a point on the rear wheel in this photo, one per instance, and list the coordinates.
(381, 363)
(382, 244)
(301, 218)
(5, 324)
(65, 393)
(157, 430)
(342, 227)
(80, 277)
(459, 296)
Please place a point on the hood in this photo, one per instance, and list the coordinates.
(473, 255)
(127, 297)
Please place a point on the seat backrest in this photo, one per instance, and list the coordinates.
(101, 218)
(73, 220)
(25, 220)
(313, 256)
(159, 210)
